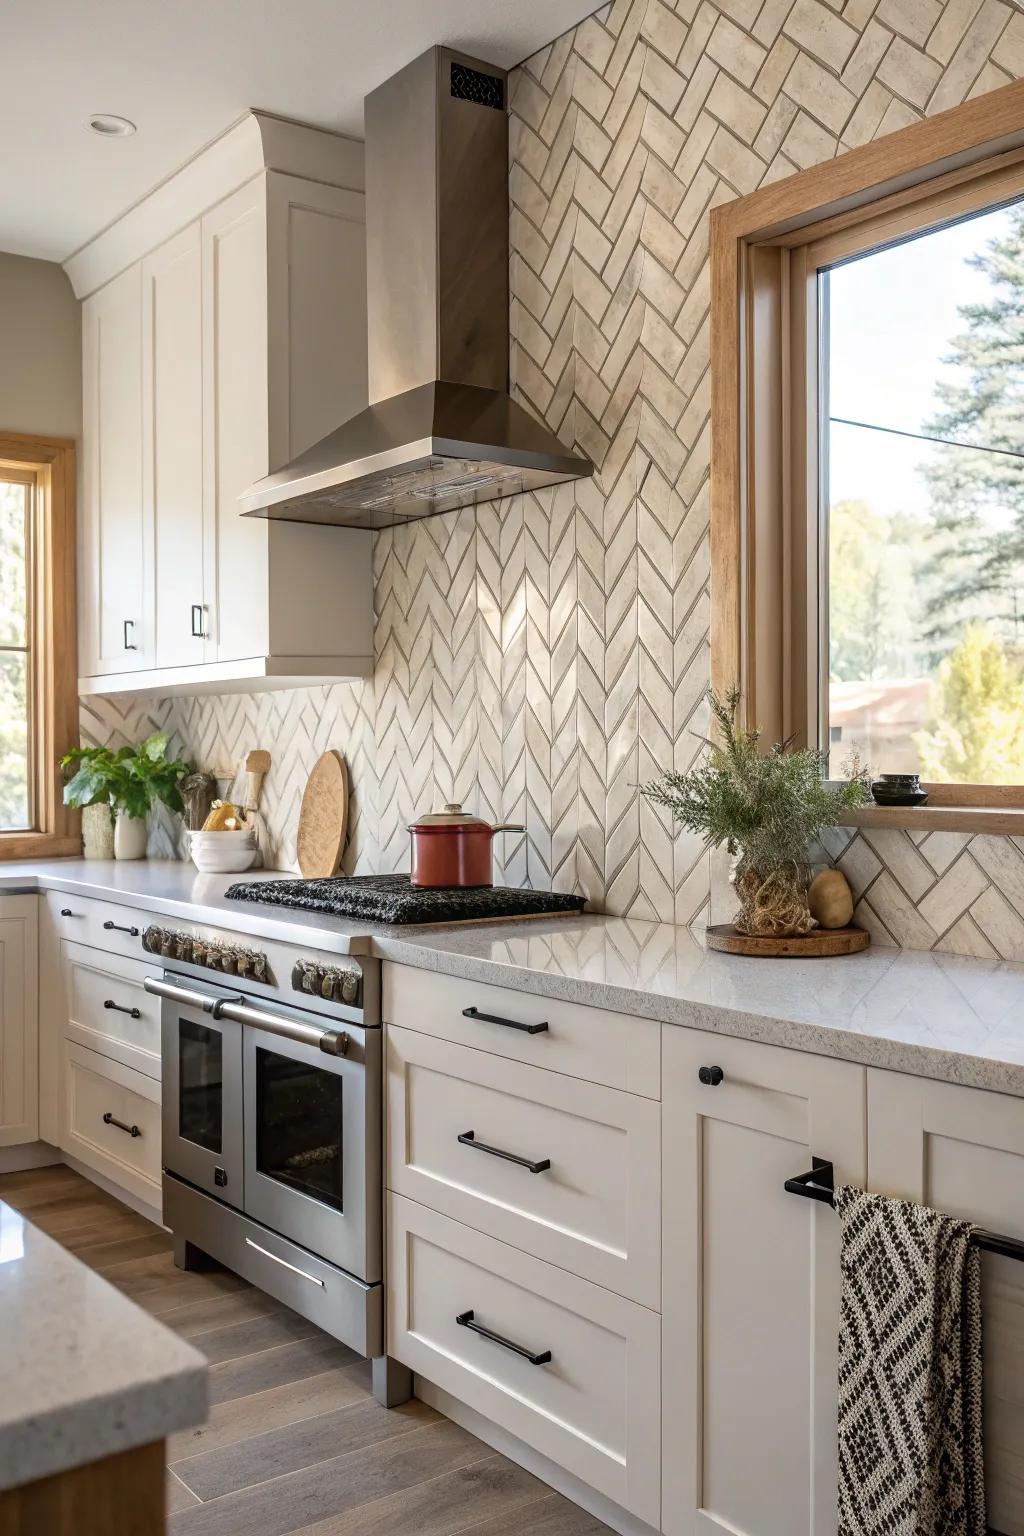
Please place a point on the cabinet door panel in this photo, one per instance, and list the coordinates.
(172, 431)
(750, 1285)
(961, 1150)
(235, 424)
(19, 1071)
(117, 627)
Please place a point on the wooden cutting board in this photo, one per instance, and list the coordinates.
(323, 819)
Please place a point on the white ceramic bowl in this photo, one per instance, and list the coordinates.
(223, 853)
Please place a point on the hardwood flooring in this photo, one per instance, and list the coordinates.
(295, 1444)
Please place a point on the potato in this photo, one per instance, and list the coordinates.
(830, 899)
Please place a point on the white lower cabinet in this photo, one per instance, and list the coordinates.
(961, 1150)
(19, 1079)
(568, 1367)
(112, 1121)
(751, 1285)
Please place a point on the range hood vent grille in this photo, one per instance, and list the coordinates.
(441, 430)
(473, 85)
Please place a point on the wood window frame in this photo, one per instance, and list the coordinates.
(53, 691)
(766, 567)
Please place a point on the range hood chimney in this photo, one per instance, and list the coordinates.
(441, 430)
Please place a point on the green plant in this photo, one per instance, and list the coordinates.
(129, 779)
(769, 806)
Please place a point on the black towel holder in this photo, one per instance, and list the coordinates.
(819, 1184)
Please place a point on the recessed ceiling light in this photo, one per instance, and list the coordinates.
(109, 126)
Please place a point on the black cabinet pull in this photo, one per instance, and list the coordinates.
(133, 1013)
(129, 1130)
(120, 928)
(711, 1076)
(66, 912)
(198, 633)
(465, 1320)
(493, 1018)
(468, 1139)
(129, 645)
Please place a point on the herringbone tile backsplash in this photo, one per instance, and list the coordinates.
(540, 658)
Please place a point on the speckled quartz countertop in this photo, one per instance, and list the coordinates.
(86, 1373)
(933, 1014)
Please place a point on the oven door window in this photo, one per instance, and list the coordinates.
(200, 1085)
(299, 1126)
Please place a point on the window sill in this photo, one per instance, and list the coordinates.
(38, 845)
(940, 818)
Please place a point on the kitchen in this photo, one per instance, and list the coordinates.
(422, 461)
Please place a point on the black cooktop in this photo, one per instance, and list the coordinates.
(391, 899)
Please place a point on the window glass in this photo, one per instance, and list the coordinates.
(923, 491)
(15, 798)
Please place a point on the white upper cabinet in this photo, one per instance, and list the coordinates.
(117, 619)
(172, 444)
(224, 332)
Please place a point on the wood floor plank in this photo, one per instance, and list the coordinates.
(332, 1487)
(102, 1256)
(549, 1516)
(274, 1367)
(280, 1451)
(444, 1504)
(241, 1417)
(252, 1337)
(205, 1313)
(177, 1495)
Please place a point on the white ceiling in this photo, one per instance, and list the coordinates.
(184, 70)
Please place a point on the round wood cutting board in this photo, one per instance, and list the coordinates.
(323, 819)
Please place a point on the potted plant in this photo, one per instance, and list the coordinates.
(766, 808)
(128, 780)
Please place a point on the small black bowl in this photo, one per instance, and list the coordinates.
(899, 789)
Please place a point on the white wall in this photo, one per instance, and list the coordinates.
(40, 349)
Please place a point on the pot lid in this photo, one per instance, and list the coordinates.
(452, 816)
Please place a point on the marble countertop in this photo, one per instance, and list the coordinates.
(937, 1015)
(86, 1372)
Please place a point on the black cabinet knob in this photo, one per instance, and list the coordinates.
(66, 912)
(711, 1076)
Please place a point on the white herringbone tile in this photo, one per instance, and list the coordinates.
(540, 658)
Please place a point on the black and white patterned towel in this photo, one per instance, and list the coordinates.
(910, 1374)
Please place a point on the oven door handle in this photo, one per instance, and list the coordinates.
(183, 995)
(333, 1042)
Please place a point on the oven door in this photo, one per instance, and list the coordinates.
(312, 1136)
(202, 1086)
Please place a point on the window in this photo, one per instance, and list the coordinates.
(868, 455)
(921, 443)
(38, 686)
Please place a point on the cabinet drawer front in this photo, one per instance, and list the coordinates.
(104, 994)
(594, 1408)
(97, 1087)
(101, 924)
(589, 1043)
(594, 1210)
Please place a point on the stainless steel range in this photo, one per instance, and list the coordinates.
(272, 1155)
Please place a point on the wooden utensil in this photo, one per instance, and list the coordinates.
(323, 819)
(257, 766)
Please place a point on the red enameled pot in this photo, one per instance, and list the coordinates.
(453, 848)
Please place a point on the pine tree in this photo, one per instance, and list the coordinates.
(978, 572)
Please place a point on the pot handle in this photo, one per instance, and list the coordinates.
(509, 826)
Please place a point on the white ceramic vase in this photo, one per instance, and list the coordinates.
(129, 836)
(97, 832)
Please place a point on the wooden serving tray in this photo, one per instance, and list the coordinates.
(823, 941)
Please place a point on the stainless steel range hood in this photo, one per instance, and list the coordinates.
(441, 430)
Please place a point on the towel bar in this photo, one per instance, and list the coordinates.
(819, 1184)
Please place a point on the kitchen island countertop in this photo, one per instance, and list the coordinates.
(87, 1373)
(929, 1013)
